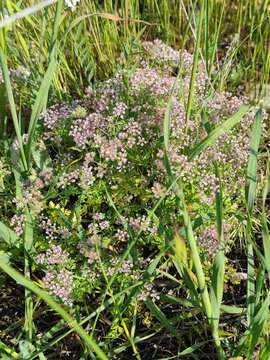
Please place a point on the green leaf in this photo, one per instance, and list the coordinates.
(193, 348)
(251, 336)
(20, 279)
(4, 257)
(265, 230)
(250, 194)
(217, 284)
(2, 110)
(166, 124)
(219, 131)
(12, 106)
(156, 311)
(251, 178)
(8, 235)
(40, 101)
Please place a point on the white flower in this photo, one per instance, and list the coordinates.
(72, 4)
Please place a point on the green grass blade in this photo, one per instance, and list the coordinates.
(25, 13)
(187, 223)
(189, 232)
(8, 235)
(193, 348)
(20, 279)
(156, 311)
(12, 106)
(40, 101)
(250, 340)
(44, 344)
(3, 115)
(219, 131)
(265, 230)
(251, 179)
(195, 64)
(8, 350)
(28, 243)
(216, 293)
(250, 194)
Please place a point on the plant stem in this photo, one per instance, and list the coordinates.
(194, 66)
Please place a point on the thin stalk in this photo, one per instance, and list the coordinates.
(56, 22)
(194, 66)
(203, 291)
(20, 279)
(28, 243)
(9, 351)
(13, 111)
(250, 193)
(207, 34)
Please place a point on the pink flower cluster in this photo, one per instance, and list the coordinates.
(84, 130)
(53, 231)
(54, 255)
(60, 283)
(143, 223)
(17, 222)
(208, 239)
(149, 291)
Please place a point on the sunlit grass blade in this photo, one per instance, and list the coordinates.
(250, 339)
(44, 343)
(25, 13)
(40, 101)
(187, 222)
(180, 198)
(250, 194)
(158, 313)
(20, 279)
(7, 350)
(251, 179)
(3, 115)
(193, 348)
(28, 243)
(219, 131)
(218, 270)
(265, 230)
(8, 235)
(195, 64)
(12, 107)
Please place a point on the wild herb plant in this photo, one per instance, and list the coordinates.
(125, 207)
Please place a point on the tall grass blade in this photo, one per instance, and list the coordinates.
(219, 131)
(195, 64)
(40, 101)
(218, 271)
(8, 235)
(3, 115)
(158, 313)
(8, 350)
(251, 179)
(250, 339)
(20, 279)
(250, 194)
(265, 230)
(180, 198)
(12, 107)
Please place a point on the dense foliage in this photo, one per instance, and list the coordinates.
(127, 203)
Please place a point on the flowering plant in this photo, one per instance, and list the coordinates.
(111, 142)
